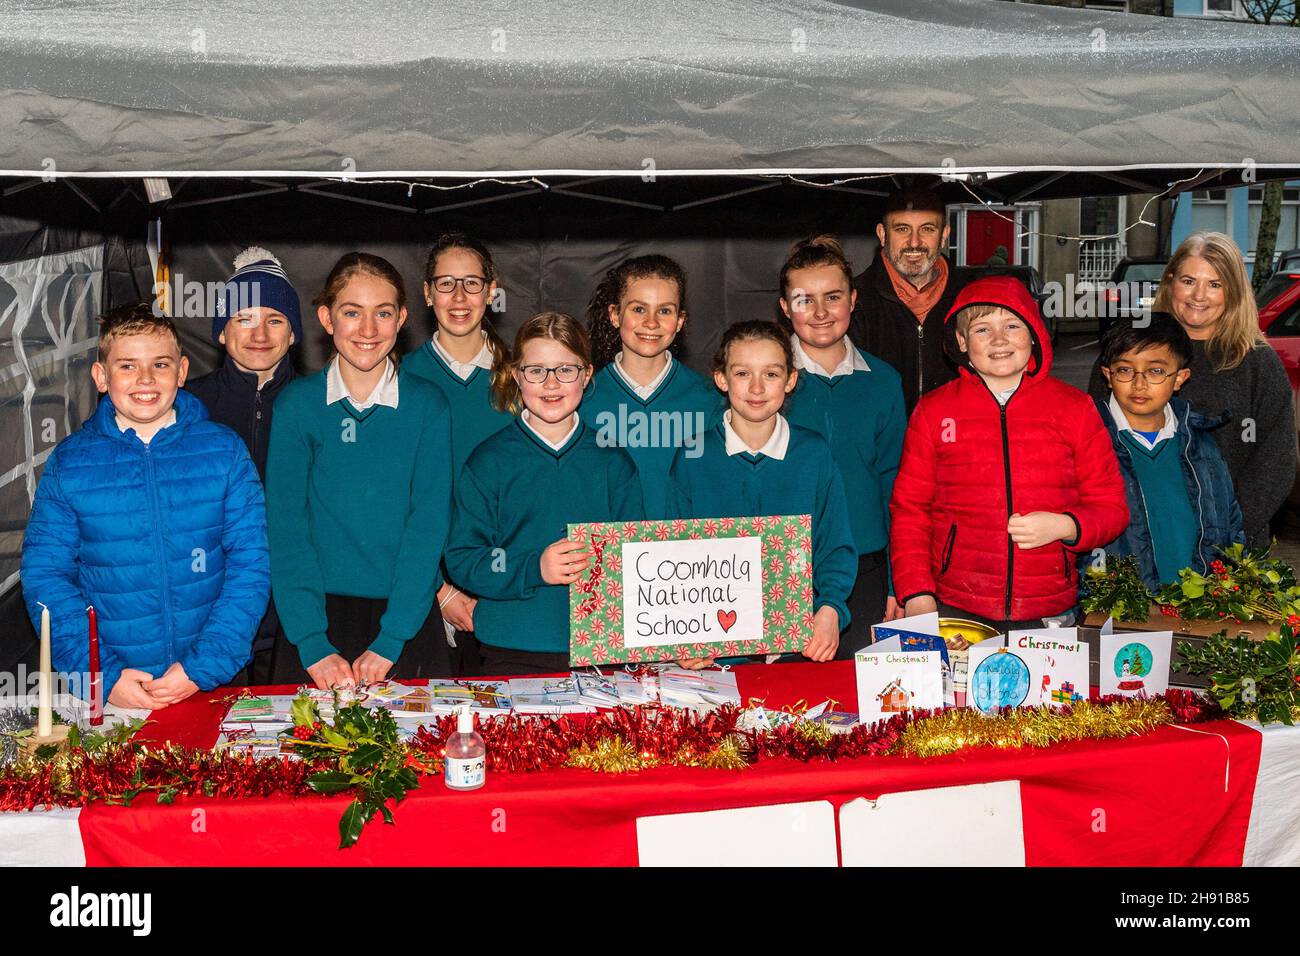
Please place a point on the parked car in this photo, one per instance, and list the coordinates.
(1130, 290)
(1279, 320)
(1028, 276)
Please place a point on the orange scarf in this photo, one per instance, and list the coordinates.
(922, 300)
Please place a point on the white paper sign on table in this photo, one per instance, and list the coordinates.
(685, 592)
(1135, 663)
(975, 825)
(892, 682)
(788, 834)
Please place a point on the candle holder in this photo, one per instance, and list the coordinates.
(58, 737)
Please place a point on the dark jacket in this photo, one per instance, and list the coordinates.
(884, 326)
(1209, 489)
(233, 399)
(1258, 442)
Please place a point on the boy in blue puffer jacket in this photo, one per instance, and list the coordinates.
(1181, 501)
(154, 515)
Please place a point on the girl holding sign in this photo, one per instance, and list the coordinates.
(756, 463)
(643, 399)
(855, 401)
(358, 484)
(521, 488)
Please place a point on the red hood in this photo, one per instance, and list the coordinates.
(1009, 293)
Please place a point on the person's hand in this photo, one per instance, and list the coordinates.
(695, 663)
(459, 607)
(129, 691)
(921, 604)
(563, 562)
(893, 610)
(173, 687)
(370, 668)
(1039, 528)
(825, 640)
(331, 671)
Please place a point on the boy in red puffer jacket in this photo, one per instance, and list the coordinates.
(1006, 474)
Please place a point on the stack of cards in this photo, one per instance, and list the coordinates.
(697, 690)
(547, 695)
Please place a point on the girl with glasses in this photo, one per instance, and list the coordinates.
(519, 491)
(642, 398)
(460, 284)
(359, 481)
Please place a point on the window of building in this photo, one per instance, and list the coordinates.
(1210, 211)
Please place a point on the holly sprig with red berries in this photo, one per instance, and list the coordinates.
(1244, 585)
(359, 752)
(1259, 679)
(1117, 590)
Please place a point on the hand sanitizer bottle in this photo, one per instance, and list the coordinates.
(466, 764)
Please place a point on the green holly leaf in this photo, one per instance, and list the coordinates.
(351, 824)
(303, 711)
(1193, 589)
(366, 756)
(330, 781)
(168, 796)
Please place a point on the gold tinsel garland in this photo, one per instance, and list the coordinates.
(932, 736)
(955, 730)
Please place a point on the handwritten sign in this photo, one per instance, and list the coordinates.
(705, 587)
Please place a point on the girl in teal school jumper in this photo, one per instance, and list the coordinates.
(460, 283)
(643, 398)
(519, 491)
(358, 490)
(855, 401)
(757, 463)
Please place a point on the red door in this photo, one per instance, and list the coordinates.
(985, 231)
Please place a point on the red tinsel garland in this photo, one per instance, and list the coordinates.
(515, 744)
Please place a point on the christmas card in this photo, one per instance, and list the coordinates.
(1059, 662)
(892, 682)
(1135, 663)
(636, 689)
(597, 690)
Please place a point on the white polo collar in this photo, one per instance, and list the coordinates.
(852, 361)
(1167, 430)
(385, 393)
(643, 391)
(464, 370)
(525, 417)
(775, 447)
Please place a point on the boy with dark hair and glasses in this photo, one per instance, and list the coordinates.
(1181, 500)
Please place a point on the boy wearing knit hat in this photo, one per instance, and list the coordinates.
(257, 321)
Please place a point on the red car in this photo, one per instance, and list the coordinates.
(1279, 320)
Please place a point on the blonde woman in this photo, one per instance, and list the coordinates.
(1234, 373)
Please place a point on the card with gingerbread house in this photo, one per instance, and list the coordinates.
(892, 682)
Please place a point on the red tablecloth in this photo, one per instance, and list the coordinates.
(1171, 798)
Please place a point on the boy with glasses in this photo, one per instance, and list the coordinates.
(1181, 501)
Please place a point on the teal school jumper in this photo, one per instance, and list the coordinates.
(357, 505)
(472, 416)
(517, 496)
(805, 481)
(861, 417)
(681, 410)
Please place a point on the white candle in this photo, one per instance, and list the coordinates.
(45, 717)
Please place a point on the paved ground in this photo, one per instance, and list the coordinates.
(1073, 358)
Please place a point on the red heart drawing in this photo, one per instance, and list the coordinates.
(727, 619)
